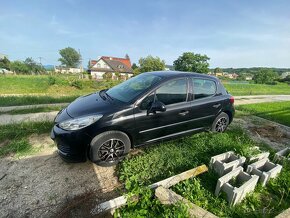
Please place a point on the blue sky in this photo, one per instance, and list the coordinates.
(232, 33)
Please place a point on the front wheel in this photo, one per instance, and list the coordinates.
(109, 148)
(220, 123)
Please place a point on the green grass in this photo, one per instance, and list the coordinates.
(167, 159)
(257, 89)
(60, 85)
(265, 201)
(275, 111)
(31, 100)
(14, 137)
(33, 110)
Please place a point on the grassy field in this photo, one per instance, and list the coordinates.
(14, 137)
(164, 160)
(59, 85)
(257, 89)
(275, 111)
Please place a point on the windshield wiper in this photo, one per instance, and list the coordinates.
(108, 95)
(101, 93)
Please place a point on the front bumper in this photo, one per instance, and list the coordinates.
(72, 145)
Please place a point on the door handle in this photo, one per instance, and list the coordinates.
(216, 105)
(183, 113)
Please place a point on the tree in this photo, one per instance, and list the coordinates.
(33, 67)
(265, 76)
(5, 63)
(151, 64)
(218, 70)
(69, 57)
(191, 62)
(134, 66)
(19, 67)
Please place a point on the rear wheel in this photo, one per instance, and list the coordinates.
(109, 148)
(220, 123)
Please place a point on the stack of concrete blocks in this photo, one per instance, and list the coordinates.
(226, 162)
(264, 169)
(282, 155)
(236, 194)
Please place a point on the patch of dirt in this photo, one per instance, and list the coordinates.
(261, 130)
(43, 185)
(274, 133)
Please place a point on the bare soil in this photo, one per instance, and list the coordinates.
(273, 134)
(43, 185)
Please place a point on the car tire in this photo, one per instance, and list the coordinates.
(109, 148)
(220, 123)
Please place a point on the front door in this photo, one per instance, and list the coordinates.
(153, 127)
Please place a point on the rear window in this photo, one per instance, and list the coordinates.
(203, 88)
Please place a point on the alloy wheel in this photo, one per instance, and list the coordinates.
(111, 150)
(221, 124)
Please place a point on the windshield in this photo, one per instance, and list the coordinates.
(131, 88)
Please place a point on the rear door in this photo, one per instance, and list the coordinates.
(152, 127)
(207, 101)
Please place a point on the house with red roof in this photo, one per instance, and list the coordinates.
(114, 65)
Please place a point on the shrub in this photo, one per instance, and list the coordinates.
(51, 80)
(76, 83)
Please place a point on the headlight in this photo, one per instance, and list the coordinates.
(79, 123)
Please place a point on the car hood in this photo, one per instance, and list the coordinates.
(87, 105)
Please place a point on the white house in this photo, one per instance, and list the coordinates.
(112, 65)
(66, 70)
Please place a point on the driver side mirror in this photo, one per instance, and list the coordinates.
(156, 106)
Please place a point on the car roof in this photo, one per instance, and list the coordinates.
(176, 74)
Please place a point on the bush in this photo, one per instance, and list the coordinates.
(51, 80)
(76, 83)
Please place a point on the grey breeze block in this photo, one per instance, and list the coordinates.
(259, 157)
(283, 154)
(226, 162)
(264, 169)
(236, 194)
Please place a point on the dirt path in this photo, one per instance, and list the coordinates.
(11, 108)
(251, 99)
(19, 118)
(43, 185)
(49, 116)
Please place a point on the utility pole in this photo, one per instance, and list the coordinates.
(81, 61)
(40, 58)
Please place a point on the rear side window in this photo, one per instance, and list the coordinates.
(203, 88)
(172, 92)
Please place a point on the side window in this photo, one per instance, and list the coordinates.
(203, 88)
(146, 103)
(172, 92)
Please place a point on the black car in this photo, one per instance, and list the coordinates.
(148, 108)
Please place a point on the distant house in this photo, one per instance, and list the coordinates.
(285, 74)
(113, 65)
(67, 70)
(169, 67)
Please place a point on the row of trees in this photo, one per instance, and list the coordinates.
(28, 66)
(188, 61)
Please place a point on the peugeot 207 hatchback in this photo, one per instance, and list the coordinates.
(148, 108)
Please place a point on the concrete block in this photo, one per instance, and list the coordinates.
(167, 196)
(282, 155)
(236, 184)
(259, 157)
(226, 162)
(264, 169)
